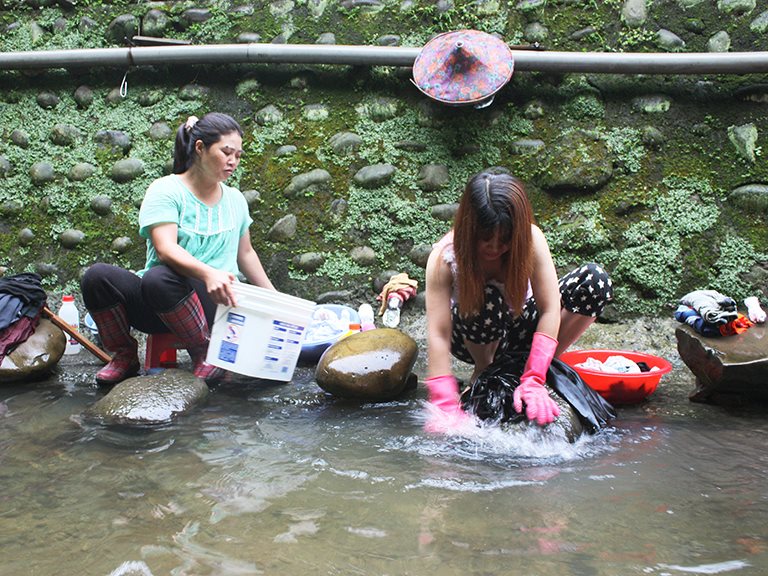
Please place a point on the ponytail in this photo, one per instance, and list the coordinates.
(209, 129)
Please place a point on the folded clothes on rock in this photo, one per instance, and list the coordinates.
(736, 325)
(711, 305)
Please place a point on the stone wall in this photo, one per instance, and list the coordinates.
(350, 173)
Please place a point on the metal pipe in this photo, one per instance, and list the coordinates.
(525, 60)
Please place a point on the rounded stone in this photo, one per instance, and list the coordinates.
(150, 97)
(20, 138)
(314, 180)
(328, 38)
(363, 255)
(160, 131)
(527, 146)
(315, 112)
(345, 142)
(419, 254)
(127, 169)
(25, 237)
(122, 29)
(195, 16)
(41, 173)
(5, 166)
(536, 32)
(194, 92)
(113, 140)
(153, 399)
(286, 150)
(373, 366)
(432, 177)
(374, 176)
(11, 208)
(154, 23)
(268, 115)
(83, 96)
(71, 238)
(47, 100)
(121, 245)
(339, 207)
(47, 269)
(248, 38)
(252, 197)
(388, 40)
(65, 135)
(36, 356)
(101, 205)
(309, 261)
(284, 229)
(81, 171)
(113, 97)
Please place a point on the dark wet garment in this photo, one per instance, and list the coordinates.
(491, 395)
(20, 295)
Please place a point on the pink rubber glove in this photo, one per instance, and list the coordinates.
(444, 396)
(531, 391)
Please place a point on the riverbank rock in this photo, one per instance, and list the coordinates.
(374, 366)
(149, 400)
(36, 356)
(728, 370)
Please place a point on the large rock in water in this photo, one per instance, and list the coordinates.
(149, 400)
(35, 357)
(374, 365)
(729, 369)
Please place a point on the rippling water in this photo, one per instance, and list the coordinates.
(283, 479)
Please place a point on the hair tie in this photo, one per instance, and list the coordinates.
(190, 123)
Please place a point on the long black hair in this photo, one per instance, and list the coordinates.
(209, 129)
(490, 204)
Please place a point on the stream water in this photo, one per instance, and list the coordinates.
(283, 479)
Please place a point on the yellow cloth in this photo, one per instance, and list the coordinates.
(400, 283)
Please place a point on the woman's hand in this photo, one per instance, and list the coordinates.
(218, 284)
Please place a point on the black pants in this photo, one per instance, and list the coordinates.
(161, 289)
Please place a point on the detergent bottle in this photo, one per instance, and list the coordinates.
(69, 313)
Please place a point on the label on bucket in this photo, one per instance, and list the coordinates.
(283, 347)
(231, 339)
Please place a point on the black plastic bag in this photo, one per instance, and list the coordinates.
(490, 397)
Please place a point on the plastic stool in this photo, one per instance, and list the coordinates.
(161, 351)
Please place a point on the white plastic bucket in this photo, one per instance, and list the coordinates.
(262, 336)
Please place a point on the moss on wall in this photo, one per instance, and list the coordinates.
(662, 224)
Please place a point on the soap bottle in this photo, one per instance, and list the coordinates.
(68, 312)
(366, 317)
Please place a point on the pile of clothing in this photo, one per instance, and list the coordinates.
(713, 314)
(21, 301)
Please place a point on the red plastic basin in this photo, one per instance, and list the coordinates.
(619, 388)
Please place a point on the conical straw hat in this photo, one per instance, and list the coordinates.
(463, 67)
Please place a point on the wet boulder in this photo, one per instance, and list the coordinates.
(374, 366)
(729, 369)
(36, 356)
(149, 400)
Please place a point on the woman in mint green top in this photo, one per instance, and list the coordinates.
(210, 233)
(196, 228)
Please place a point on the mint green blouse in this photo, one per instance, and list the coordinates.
(209, 233)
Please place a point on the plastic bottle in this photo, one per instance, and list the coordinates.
(392, 313)
(366, 317)
(68, 312)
